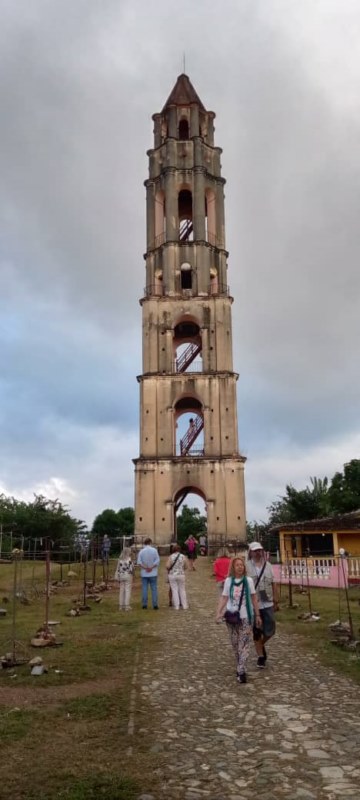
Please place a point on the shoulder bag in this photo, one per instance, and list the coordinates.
(173, 563)
(233, 617)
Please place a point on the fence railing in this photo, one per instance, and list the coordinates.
(185, 235)
(330, 572)
(354, 568)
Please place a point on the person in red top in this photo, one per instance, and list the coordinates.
(221, 568)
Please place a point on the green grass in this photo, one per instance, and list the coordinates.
(69, 737)
(15, 724)
(75, 726)
(111, 787)
(99, 641)
(317, 635)
(94, 706)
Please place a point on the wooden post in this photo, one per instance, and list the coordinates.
(290, 585)
(13, 632)
(347, 599)
(93, 556)
(47, 584)
(308, 584)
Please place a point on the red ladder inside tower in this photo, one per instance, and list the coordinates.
(195, 427)
(187, 357)
(186, 229)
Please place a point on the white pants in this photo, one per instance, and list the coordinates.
(125, 586)
(177, 586)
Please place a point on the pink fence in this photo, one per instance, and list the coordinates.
(323, 572)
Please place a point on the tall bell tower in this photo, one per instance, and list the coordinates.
(188, 411)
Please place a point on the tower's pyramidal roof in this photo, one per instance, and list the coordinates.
(183, 94)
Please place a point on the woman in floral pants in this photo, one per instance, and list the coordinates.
(239, 595)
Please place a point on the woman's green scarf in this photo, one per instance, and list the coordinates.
(249, 608)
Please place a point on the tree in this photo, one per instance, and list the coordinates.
(107, 523)
(189, 521)
(319, 499)
(278, 512)
(42, 519)
(127, 521)
(320, 490)
(344, 491)
(300, 505)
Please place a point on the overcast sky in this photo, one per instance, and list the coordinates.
(80, 80)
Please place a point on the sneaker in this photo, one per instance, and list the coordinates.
(261, 662)
(242, 678)
(156, 608)
(143, 606)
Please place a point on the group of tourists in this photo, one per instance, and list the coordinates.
(148, 560)
(247, 602)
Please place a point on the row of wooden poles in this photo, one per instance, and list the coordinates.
(17, 557)
(341, 571)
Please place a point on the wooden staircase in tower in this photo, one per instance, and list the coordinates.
(186, 358)
(195, 427)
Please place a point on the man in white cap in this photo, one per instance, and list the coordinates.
(260, 570)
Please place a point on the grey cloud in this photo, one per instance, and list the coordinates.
(79, 84)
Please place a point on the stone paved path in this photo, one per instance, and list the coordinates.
(291, 733)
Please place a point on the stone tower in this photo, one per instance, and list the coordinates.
(188, 412)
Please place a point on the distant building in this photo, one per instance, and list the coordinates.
(319, 537)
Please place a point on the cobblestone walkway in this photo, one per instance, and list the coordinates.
(292, 732)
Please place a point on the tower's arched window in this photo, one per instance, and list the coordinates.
(214, 281)
(158, 286)
(183, 130)
(185, 210)
(189, 426)
(186, 498)
(187, 345)
(186, 276)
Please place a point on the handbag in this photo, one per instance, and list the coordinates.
(233, 617)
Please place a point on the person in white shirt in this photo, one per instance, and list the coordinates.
(176, 565)
(124, 574)
(239, 605)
